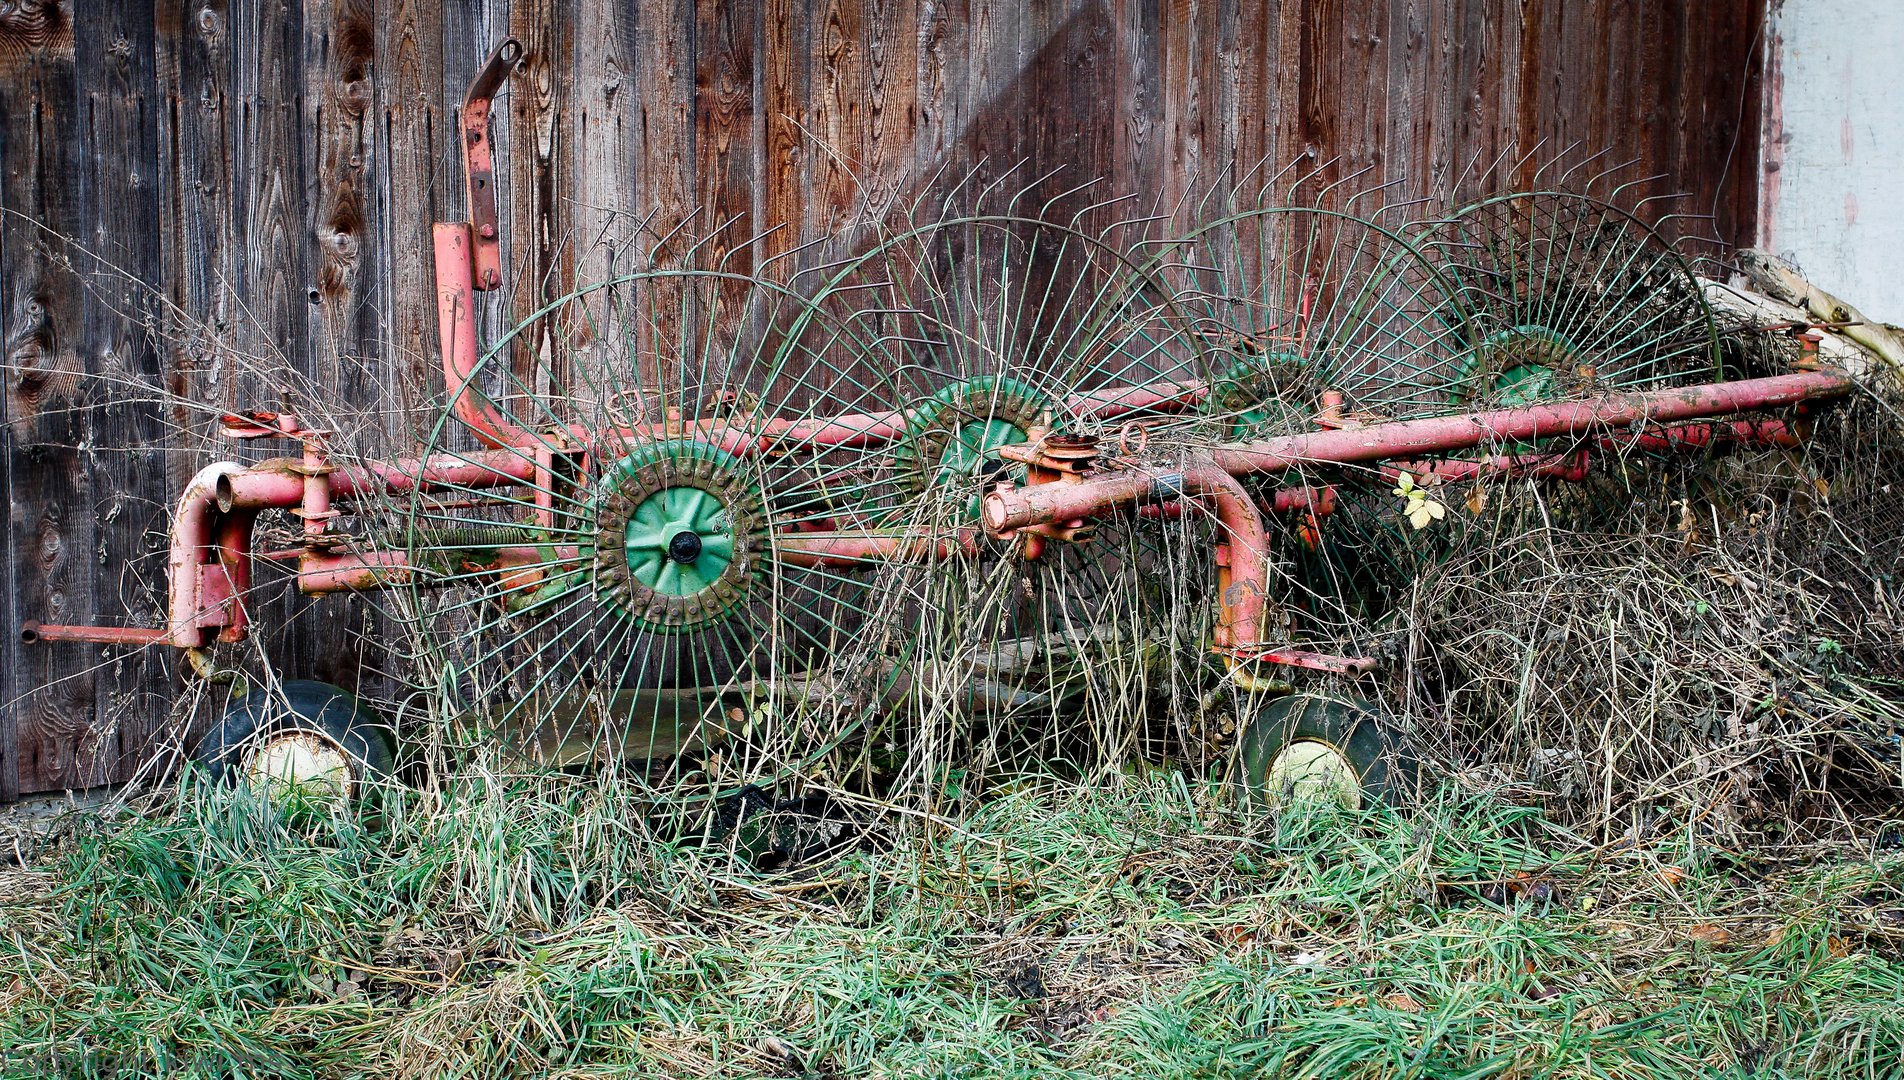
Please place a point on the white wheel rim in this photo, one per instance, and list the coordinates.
(1312, 771)
(304, 765)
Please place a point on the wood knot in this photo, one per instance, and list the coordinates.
(30, 26)
(355, 96)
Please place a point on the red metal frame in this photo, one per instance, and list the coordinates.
(1069, 482)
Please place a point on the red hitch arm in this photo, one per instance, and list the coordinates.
(469, 258)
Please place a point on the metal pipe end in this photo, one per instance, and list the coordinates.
(995, 514)
(224, 493)
(30, 632)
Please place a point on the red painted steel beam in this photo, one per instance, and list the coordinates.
(456, 334)
(846, 549)
(33, 633)
(1444, 434)
(479, 163)
(1008, 510)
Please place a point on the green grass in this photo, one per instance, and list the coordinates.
(1138, 929)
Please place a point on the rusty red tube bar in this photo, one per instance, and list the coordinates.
(1008, 510)
(1441, 435)
(1574, 465)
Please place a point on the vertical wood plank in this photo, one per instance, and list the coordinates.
(892, 93)
(607, 147)
(412, 124)
(839, 88)
(535, 204)
(270, 270)
(117, 143)
(725, 32)
(54, 527)
(780, 173)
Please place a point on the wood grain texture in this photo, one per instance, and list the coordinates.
(54, 513)
(266, 172)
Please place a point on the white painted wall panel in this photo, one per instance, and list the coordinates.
(1833, 198)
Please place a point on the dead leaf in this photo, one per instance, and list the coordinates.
(1477, 499)
(1837, 947)
(1710, 934)
(1235, 935)
(1671, 875)
(779, 1049)
(1536, 887)
(1401, 1002)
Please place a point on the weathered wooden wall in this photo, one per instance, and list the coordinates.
(270, 169)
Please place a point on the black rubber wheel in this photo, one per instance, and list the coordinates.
(330, 716)
(1338, 734)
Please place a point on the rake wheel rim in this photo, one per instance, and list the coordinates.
(1255, 394)
(1312, 770)
(961, 425)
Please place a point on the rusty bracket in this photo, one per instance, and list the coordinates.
(260, 424)
(479, 163)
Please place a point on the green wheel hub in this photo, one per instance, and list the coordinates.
(678, 541)
(1263, 393)
(956, 433)
(678, 534)
(1519, 365)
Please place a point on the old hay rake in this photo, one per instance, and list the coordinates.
(982, 468)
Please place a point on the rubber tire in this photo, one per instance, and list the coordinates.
(301, 704)
(1384, 765)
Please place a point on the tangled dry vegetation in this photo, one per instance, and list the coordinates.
(1722, 647)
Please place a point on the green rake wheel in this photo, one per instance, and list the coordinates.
(1566, 295)
(955, 432)
(1032, 324)
(1299, 300)
(642, 594)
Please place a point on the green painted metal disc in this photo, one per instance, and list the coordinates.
(678, 541)
(953, 437)
(1273, 392)
(1517, 365)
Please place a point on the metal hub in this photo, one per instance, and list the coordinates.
(678, 534)
(685, 548)
(956, 434)
(304, 764)
(1520, 365)
(1310, 770)
(1265, 394)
